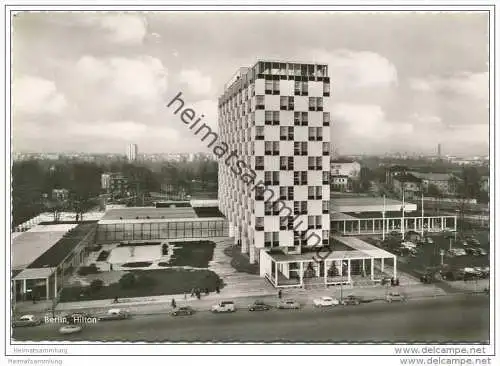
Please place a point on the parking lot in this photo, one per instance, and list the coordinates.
(428, 256)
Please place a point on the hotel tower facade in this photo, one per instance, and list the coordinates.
(274, 116)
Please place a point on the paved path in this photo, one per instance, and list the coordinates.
(444, 319)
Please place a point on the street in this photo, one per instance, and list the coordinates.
(463, 318)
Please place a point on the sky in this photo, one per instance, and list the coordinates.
(95, 82)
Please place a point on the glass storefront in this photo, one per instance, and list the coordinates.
(162, 230)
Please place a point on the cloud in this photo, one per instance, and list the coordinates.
(425, 120)
(197, 83)
(356, 70)
(209, 109)
(465, 83)
(35, 96)
(125, 29)
(122, 130)
(117, 82)
(367, 121)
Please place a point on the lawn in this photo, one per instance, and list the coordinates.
(240, 262)
(168, 281)
(191, 253)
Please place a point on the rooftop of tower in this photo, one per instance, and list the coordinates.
(279, 69)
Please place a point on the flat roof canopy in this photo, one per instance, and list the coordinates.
(368, 204)
(130, 213)
(364, 247)
(64, 246)
(34, 273)
(360, 250)
(33, 243)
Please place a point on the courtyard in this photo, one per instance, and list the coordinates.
(159, 267)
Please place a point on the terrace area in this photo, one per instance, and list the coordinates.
(355, 260)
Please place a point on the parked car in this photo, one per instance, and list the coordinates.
(482, 251)
(115, 314)
(472, 251)
(470, 240)
(224, 307)
(325, 301)
(288, 304)
(27, 321)
(396, 234)
(426, 277)
(70, 329)
(456, 252)
(351, 300)
(428, 240)
(259, 306)
(394, 297)
(183, 311)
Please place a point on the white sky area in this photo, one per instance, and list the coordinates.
(90, 82)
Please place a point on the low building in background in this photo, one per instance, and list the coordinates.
(60, 194)
(445, 183)
(344, 173)
(485, 183)
(393, 172)
(341, 183)
(411, 185)
(115, 184)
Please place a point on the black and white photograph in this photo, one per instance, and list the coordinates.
(250, 179)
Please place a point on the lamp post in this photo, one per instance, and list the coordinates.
(341, 278)
(383, 221)
(403, 215)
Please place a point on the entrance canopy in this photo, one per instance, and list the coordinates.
(34, 273)
(362, 246)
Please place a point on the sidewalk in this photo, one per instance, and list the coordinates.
(162, 304)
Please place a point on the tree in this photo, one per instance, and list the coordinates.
(127, 281)
(96, 285)
(433, 190)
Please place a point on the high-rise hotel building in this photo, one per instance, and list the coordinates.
(274, 116)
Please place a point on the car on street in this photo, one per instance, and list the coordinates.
(259, 306)
(486, 271)
(351, 300)
(70, 329)
(27, 320)
(224, 307)
(288, 304)
(470, 273)
(325, 301)
(426, 277)
(394, 297)
(482, 272)
(115, 314)
(450, 275)
(183, 311)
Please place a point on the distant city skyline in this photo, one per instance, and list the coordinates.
(400, 81)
